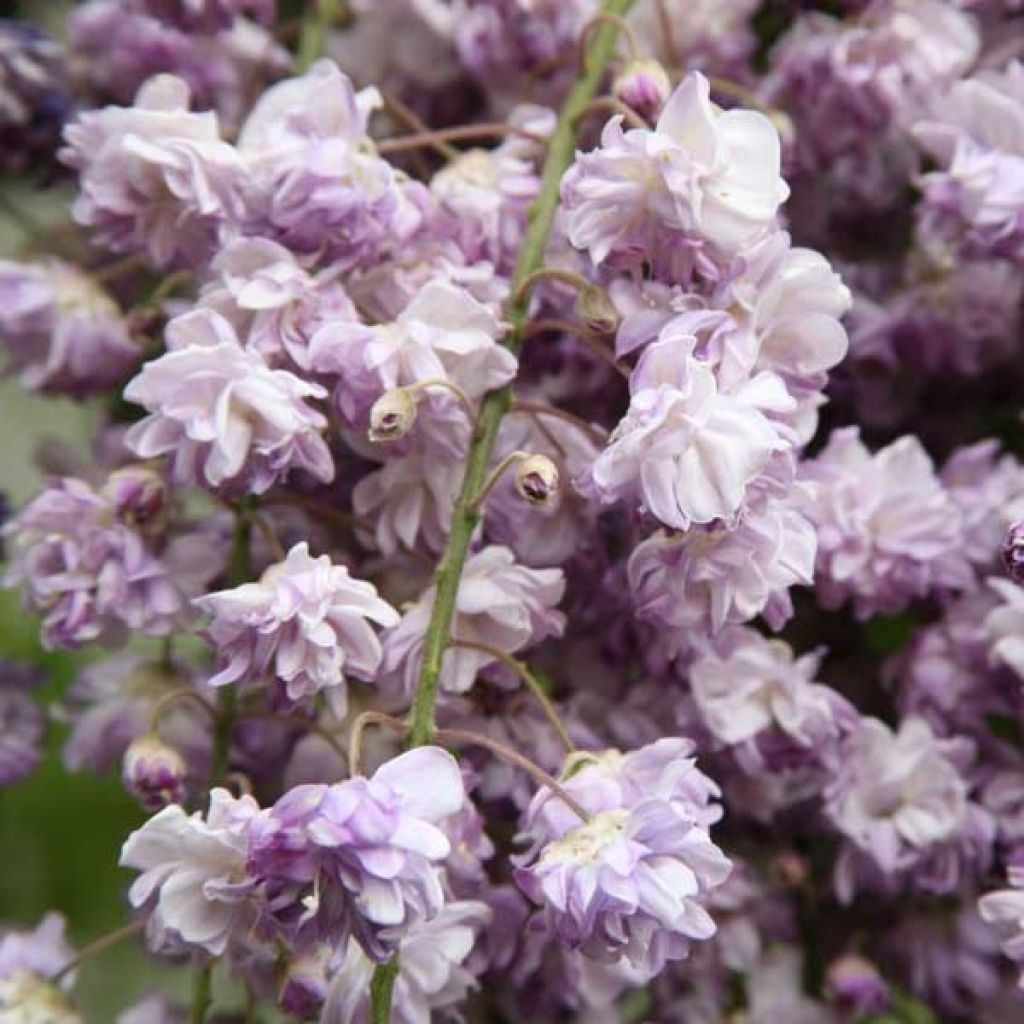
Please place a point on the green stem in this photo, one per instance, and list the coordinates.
(465, 516)
(202, 992)
(382, 987)
(313, 35)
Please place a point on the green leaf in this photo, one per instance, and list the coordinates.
(1005, 728)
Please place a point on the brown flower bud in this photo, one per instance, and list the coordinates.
(537, 480)
(392, 415)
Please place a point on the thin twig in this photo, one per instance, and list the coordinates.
(588, 337)
(355, 736)
(618, 23)
(460, 133)
(578, 281)
(411, 120)
(104, 942)
(537, 773)
(597, 433)
(531, 682)
(614, 106)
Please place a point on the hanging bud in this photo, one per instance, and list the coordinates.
(537, 480)
(138, 494)
(392, 415)
(1013, 553)
(643, 86)
(304, 988)
(854, 985)
(153, 772)
(596, 310)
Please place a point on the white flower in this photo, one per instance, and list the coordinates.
(191, 870)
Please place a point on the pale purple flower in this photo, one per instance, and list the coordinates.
(988, 486)
(443, 334)
(209, 15)
(775, 991)
(407, 503)
(629, 880)
(687, 450)
(500, 604)
(305, 622)
(111, 703)
(1004, 626)
(897, 795)
(976, 136)
(272, 301)
(757, 687)
(61, 331)
(155, 177)
(359, 858)
(222, 415)
(1003, 909)
(644, 86)
(193, 882)
(116, 45)
(888, 532)
(962, 320)
(432, 975)
(22, 722)
(705, 579)
(701, 177)
(318, 186)
(854, 985)
(485, 193)
(91, 578)
(848, 83)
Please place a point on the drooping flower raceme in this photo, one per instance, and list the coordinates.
(306, 622)
(225, 419)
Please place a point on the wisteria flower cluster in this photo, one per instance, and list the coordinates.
(552, 543)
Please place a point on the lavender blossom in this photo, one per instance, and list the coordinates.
(155, 177)
(22, 722)
(500, 604)
(222, 415)
(27, 960)
(92, 579)
(887, 530)
(360, 857)
(433, 975)
(306, 623)
(703, 175)
(62, 332)
(1003, 909)
(630, 879)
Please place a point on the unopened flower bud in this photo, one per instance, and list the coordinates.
(537, 480)
(644, 86)
(392, 415)
(789, 869)
(597, 311)
(1013, 553)
(154, 773)
(138, 494)
(304, 988)
(854, 984)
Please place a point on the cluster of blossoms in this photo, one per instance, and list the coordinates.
(553, 471)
